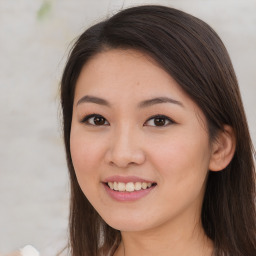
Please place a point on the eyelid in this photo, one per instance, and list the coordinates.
(87, 117)
(160, 116)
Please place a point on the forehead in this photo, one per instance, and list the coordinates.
(126, 71)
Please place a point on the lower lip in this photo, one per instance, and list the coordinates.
(128, 196)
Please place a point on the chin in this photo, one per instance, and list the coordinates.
(128, 224)
(127, 227)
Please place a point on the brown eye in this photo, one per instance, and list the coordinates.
(158, 121)
(99, 120)
(96, 120)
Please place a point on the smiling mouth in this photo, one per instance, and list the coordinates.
(129, 186)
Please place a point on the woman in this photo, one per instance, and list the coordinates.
(157, 143)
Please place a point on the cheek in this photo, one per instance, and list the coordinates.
(182, 168)
(86, 158)
(86, 155)
(182, 160)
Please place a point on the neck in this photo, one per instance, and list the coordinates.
(166, 241)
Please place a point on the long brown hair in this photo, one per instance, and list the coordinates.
(193, 54)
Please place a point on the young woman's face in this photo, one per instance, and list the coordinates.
(139, 145)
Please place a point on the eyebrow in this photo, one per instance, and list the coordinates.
(159, 100)
(93, 99)
(143, 104)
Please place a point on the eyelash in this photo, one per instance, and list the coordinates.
(165, 118)
(87, 118)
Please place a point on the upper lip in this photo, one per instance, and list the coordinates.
(126, 179)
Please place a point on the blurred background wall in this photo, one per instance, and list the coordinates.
(35, 36)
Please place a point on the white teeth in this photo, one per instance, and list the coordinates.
(111, 185)
(144, 185)
(138, 186)
(115, 186)
(129, 187)
(121, 186)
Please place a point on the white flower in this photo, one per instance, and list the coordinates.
(29, 251)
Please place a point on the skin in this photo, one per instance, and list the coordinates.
(177, 155)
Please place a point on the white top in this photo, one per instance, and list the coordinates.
(29, 250)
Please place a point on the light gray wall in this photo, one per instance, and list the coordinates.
(34, 41)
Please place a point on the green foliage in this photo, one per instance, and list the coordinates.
(44, 10)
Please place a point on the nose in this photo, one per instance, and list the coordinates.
(125, 148)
